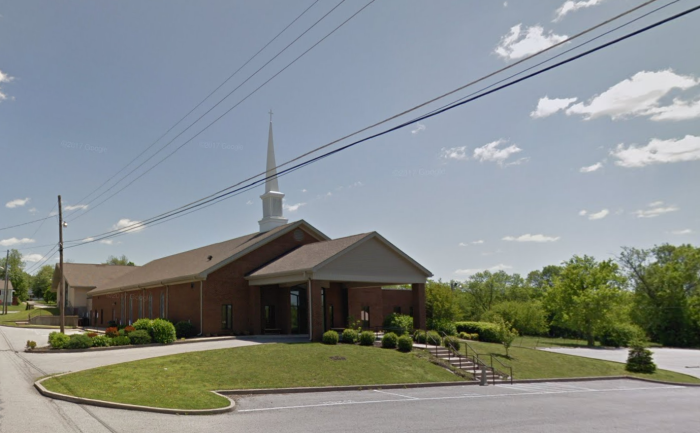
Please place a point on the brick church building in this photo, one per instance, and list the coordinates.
(287, 278)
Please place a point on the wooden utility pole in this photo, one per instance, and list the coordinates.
(4, 293)
(61, 285)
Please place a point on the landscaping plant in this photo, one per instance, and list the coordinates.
(507, 334)
(128, 329)
(405, 343)
(162, 331)
(400, 324)
(367, 338)
(488, 332)
(185, 329)
(390, 340)
(330, 337)
(58, 340)
(451, 342)
(143, 325)
(419, 336)
(349, 336)
(31, 344)
(79, 341)
(121, 340)
(442, 326)
(101, 341)
(112, 331)
(640, 360)
(140, 337)
(433, 338)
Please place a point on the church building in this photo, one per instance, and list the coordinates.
(286, 278)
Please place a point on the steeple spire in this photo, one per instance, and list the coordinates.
(272, 199)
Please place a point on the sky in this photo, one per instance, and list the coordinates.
(600, 153)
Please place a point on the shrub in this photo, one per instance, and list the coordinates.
(140, 337)
(405, 343)
(399, 323)
(92, 334)
(58, 340)
(390, 340)
(162, 331)
(185, 330)
(101, 341)
(621, 335)
(442, 326)
(112, 331)
(79, 341)
(112, 323)
(528, 317)
(31, 344)
(433, 338)
(488, 332)
(129, 329)
(349, 336)
(330, 337)
(467, 336)
(367, 338)
(506, 333)
(419, 336)
(143, 325)
(451, 342)
(121, 340)
(640, 360)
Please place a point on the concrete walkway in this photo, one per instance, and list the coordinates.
(686, 361)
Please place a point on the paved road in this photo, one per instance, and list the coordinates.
(622, 405)
(686, 361)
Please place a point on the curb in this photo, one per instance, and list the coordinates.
(112, 405)
(263, 391)
(130, 346)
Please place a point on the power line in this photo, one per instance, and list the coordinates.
(432, 114)
(201, 102)
(46, 258)
(27, 223)
(210, 109)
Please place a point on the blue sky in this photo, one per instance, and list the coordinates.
(598, 154)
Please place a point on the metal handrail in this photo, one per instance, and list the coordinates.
(493, 369)
(510, 369)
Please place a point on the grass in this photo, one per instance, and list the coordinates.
(534, 342)
(183, 380)
(20, 307)
(22, 315)
(538, 364)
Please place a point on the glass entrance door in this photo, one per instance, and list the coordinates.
(300, 310)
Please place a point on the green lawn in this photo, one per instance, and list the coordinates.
(182, 381)
(533, 342)
(10, 319)
(20, 307)
(538, 364)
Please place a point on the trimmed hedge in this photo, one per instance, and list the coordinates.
(390, 340)
(58, 340)
(143, 325)
(398, 323)
(101, 341)
(367, 338)
(162, 331)
(330, 337)
(79, 341)
(184, 330)
(640, 360)
(488, 332)
(349, 336)
(433, 338)
(122, 340)
(451, 342)
(622, 335)
(140, 337)
(112, 331)
(405, 343)
(419, 336)
(442, 326)
(465, 336)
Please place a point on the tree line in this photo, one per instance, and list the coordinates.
(641, 294)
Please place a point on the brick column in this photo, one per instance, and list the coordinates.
(419, 320)
(254, 320)
(316, 331)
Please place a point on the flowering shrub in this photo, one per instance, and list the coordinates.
(112, 331)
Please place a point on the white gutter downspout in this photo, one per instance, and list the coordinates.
(308, 299)
(201, 317)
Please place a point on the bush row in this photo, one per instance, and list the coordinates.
(367, 338)
(144, 331)
(486, 331)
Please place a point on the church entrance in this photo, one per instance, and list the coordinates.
(299, 310)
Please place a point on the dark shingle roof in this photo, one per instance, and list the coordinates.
(190, 264)
(308, 256)
(91, 275)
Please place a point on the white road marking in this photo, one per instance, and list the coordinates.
(544, 386)
(519, 394)
(399, 395)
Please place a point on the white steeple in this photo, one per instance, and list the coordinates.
(272, 199)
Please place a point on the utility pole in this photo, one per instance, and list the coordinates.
(4, 293)
(61, 285)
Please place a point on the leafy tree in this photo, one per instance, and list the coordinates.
(20, 279)
(123, 261)
(586, 296)
(528, 317)
(666, 283)
(506, 333)
(485, 289)
(42, 281)
(539, 282)
(440, 301)
(50, 296)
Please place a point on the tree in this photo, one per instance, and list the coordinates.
(485, 289)
(440, 302)
(586, 296)
(50, 296)
(20, 279)
(122, 261)
(42, 281)
(539, 282)
(666, 284)
(506, 333)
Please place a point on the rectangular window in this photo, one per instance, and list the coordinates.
(270, 321)
(150, 305)
(122, 315)
(139, 314)
(226, 316)
(114, 314)
(331, 316)
(323, 309)
(131, 309)
(397, 310)
(162, 305)
(364, 317)
(102, 317)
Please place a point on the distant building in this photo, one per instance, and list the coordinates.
(287, 278)
(10, 292)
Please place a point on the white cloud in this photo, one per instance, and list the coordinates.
(639, 96)
(14, 241)
(249, 202)
(583, 212)
(76, 207)
(127, 225)
(293, 207)
(356, 185)
(598, 215)
(658, 152)
(499, 267)
(491, 152)
(107, 241)
(4, 78)
(678, 110)
(591, 168)
(547, 107)
(303, 190)
(531, 238)
(682, 232)
(88, 239)
(419, 127)
(477, 242)
(33, 210)
(518, 43)
(655, 209)
(32, 257)
(573, 6)
(17, 202)
(505, 4)
(458, 153)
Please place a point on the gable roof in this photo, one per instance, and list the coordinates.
(195, 264)
(9, 285)
(88, 274)
(313, 257)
